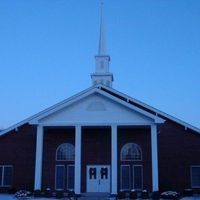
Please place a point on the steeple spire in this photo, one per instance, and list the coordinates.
(102, 74)
(102, 42)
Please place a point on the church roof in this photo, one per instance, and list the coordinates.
(112, 93)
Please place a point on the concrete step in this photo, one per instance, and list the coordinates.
(95, 196)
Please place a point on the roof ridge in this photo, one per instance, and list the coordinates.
(157, 111)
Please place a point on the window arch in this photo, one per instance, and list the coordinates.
(131, 152)
(65, 152)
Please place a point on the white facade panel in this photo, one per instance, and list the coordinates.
(95, 109)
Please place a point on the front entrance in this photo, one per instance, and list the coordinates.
(98, 178)
(64, 177)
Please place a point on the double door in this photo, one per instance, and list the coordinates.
(98, 178)
(64, 177)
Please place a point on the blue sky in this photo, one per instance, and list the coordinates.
(47, 50)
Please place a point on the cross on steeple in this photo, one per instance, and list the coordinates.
(102, 74)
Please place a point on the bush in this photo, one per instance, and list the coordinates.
(21, 194)
(188, 192)
(121, 195)
(170, 195)
(59, 193)
(156, 195)
(71, 194)
(48, 192)
(12, 190)
(145, 194)
(37, 193)
(133, 194)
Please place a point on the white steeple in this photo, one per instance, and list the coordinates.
(102, 42)
(102, 59)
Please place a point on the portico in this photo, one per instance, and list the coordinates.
(94, 108)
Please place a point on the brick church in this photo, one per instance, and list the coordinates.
(100, 140)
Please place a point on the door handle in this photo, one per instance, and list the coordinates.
(99, 182)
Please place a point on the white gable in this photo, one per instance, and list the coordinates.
(96, 109)
(60, 113)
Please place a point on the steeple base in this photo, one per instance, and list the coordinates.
(102, 78)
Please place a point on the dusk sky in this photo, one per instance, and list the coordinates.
(47, 50)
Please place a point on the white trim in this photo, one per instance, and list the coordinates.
(154, 118)
(2, 176)
(59, 147)
(132, 107)
(59, 107)
(97, 124)
(134, 176)
(27, 120)
(59, 165)
(191, 175)
(121, 177)
(77, 182)
(114, 163)
(38, 158)
(125, 146)
(154, 156)
(68, 176)
(95, 89)
(154, 109)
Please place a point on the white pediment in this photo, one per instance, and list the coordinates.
(96, 109)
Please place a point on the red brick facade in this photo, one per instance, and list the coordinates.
(178, 149)
(96, 150)
(142, 137)
(52, 139)
(17, 148)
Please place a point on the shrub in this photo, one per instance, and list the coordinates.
(12, 190)
(170, 195)
(145, 194)
(37, 193)
(121, 195)
(156, 195)
(22, 194)
(133, 194)
(59, 193)
(48, 192)
(71, 193)
(188, 192)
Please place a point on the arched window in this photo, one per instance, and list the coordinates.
(131, 152)
(65, 152)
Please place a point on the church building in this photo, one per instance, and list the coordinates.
(100, 140)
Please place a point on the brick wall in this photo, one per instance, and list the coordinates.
(18, 149)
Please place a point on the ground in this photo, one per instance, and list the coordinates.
(11, 197)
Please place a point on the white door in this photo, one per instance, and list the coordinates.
(98, 178)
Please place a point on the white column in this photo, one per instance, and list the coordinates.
(38, 158)
(78, 160)
(114, 160)
(154, 155)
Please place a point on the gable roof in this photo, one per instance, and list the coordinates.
(80, 100)
(111, 93)
(150, 109)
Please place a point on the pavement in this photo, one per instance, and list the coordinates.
(11, 197)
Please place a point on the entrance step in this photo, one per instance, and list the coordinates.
(95, 196)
